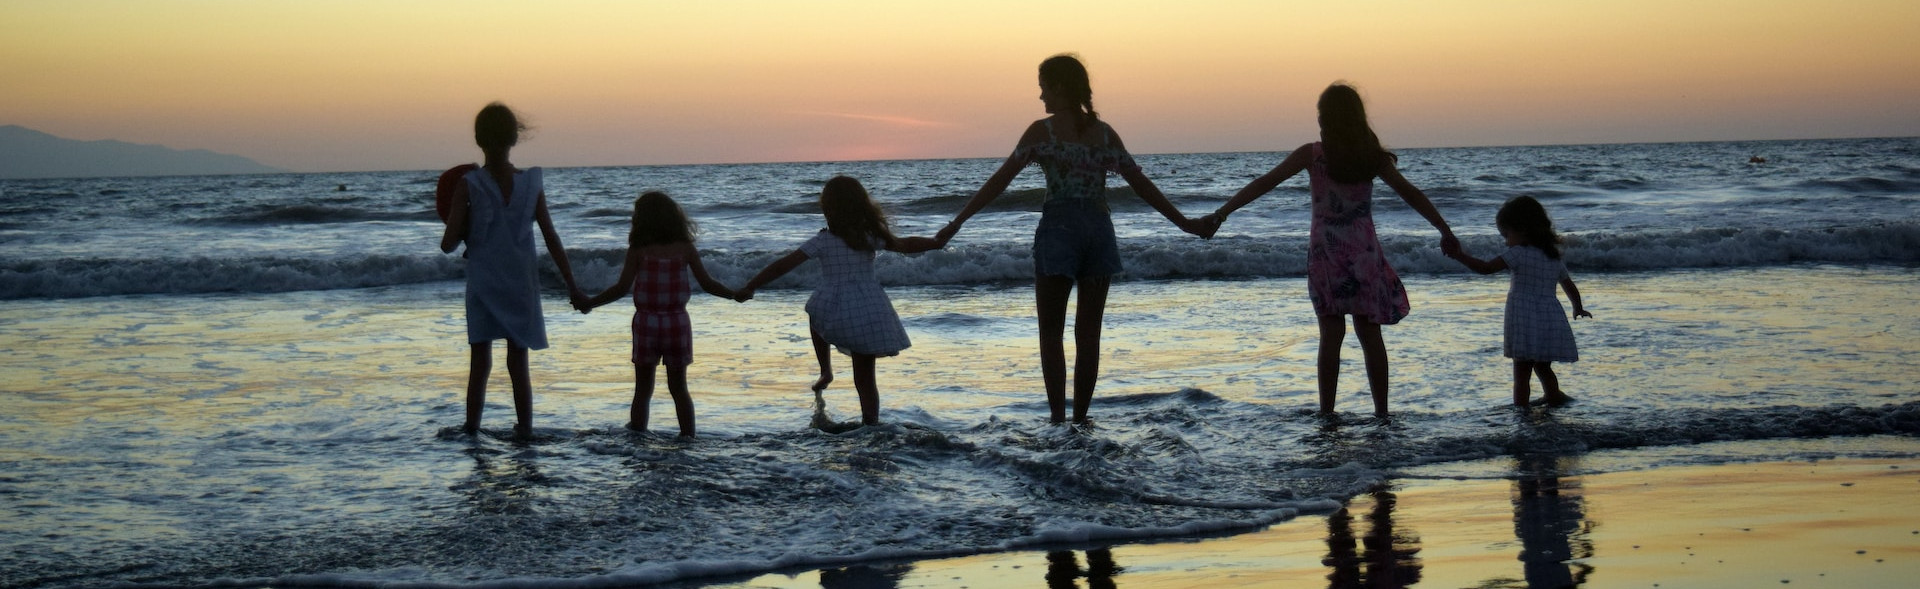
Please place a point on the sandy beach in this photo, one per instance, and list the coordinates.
(1815, 523)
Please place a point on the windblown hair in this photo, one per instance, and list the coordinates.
(658, 220)
(497, 128)
(1065, 74)
(1525, 217)
(1353, 152)
(852, 215)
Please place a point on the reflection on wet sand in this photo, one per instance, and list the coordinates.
(501, 483)
(1549, 517)
(1390, 556)
(1063, 569)
(865, 576)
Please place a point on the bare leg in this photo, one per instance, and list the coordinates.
(1550, 384)
(1050, 304)
(1374, 350)
(1089, 312)
(480, 364)
(642, 397)
(1522, 375)
(824, 353)
(522, 389)
(1333, 333)
(682, 401)
(869, 391)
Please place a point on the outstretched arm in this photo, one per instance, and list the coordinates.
(1293, 164)
(914, 245)
(996, 184)
(1418, 200)
(558, 251)
(457, 216)
(1573, 295)
(773, 271)
(707, 283)
(1475, 264)
(620, 287)
(1150, 194)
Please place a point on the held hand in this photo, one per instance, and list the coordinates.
(946, 234)
(1210, 225)
(580, 302)
(1450, 246)
(1580, 312)
(743, 295)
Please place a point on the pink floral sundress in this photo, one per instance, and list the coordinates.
(1347, 273)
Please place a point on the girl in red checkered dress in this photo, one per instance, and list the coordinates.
(659, 254)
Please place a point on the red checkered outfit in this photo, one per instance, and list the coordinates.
(662, 332)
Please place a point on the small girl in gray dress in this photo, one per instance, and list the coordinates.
(1537, 332)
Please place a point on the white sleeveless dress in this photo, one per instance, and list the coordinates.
(503, 283)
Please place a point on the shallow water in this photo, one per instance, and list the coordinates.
(304, 438)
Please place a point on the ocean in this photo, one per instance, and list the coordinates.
(258, 380)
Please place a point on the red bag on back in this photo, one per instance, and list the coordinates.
(443, 191)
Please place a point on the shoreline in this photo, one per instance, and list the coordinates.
(1842, 522)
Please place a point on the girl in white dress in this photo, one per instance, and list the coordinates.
(1537, 332)
(848, 309)
(495, 208)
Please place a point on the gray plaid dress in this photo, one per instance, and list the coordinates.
(848, 308)
(1536, 324)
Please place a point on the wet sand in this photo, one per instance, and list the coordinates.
(1828, 523)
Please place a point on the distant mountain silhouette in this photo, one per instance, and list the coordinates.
(26, 153)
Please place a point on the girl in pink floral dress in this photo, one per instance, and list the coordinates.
(1347, 273)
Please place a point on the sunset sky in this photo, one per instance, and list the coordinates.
(379, 85)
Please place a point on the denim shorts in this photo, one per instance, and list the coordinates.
(1075, 238)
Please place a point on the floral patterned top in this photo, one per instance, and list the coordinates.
(1077, 170)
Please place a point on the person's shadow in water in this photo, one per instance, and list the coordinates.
(1549, 518)
(1384, 557)
(1064, 572)
(864, 576)
(501, 483)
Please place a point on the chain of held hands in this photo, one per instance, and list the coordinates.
(1204, 227)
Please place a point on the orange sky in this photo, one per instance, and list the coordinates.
(352, 85)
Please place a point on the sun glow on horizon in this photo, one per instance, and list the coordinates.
(356, 85)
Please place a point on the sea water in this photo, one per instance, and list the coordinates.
(256, 379)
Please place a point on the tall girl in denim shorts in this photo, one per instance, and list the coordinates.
(1074, 245)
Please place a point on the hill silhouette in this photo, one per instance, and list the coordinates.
(26, 153)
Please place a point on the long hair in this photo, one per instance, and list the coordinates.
(1525, 217)
(496, 128)
(1353, 152)
(852, 215)
(1065, 74)
(658, 220)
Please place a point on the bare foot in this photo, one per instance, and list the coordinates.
(821, 385)
(1556, 398)
(631, 426)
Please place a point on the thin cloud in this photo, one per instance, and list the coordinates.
(887, 119)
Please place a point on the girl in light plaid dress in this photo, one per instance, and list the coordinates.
(1537, 332)
(659, 254)
(848, 309)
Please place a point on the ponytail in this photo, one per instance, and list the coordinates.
(1065, 74)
